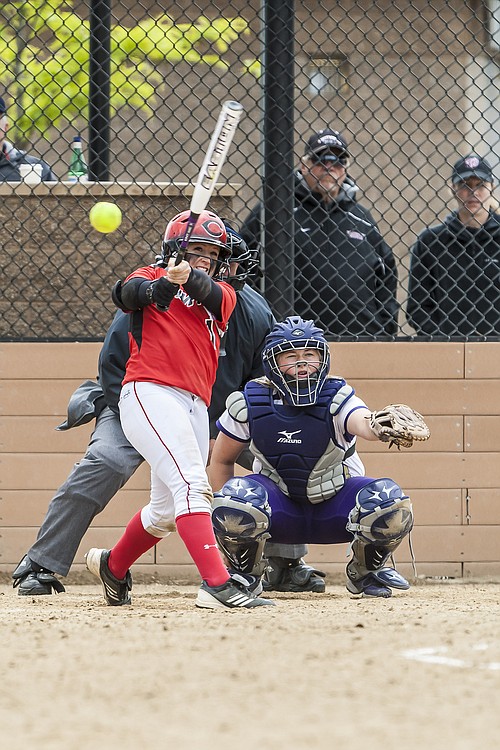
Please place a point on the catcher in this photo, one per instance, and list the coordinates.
(309, 484)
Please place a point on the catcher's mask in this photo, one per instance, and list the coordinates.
(248, 260)
(295, 333)
(209, 230)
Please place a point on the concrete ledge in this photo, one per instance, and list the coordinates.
(112, 188)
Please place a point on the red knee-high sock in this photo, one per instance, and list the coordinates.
(196, 531)
(134, 543)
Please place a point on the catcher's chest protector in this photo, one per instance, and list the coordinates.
(292, 439)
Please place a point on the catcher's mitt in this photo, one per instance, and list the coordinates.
(399, 424)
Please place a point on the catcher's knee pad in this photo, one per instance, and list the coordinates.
(382, 513)
(241, 517)
(380, 519)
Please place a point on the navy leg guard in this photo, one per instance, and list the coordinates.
(241, 517)
(380, 520)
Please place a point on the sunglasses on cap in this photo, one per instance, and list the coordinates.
(330, 158)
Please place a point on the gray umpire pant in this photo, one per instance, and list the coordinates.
(107, 465)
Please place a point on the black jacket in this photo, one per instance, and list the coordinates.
(454, 287)
(11, 158)
(345, 274)
(240, 358)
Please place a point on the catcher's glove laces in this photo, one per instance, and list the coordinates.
(399, 425)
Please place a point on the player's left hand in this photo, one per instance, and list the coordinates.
(399, 424)
(178, 274)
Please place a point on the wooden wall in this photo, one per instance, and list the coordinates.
(453, 479)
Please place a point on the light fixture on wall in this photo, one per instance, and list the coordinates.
(328, 74)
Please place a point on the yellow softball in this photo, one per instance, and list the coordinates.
(105, 217)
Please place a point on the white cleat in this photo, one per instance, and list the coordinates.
(230, 595)
(116, 592)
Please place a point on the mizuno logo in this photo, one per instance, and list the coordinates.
(288, 437)
(306, 230)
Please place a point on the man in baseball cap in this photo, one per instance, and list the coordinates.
(454, 270)
(472, 166)
(11, 157)
(345, 273)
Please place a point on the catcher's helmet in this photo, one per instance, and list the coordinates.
(296, 333)
(248, 260)
(209, 229)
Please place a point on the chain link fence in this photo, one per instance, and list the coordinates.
(411, 86)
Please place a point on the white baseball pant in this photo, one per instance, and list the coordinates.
(169, 428)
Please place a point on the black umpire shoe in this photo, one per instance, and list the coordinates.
(116, 591)
(284, 574)
(33, 580)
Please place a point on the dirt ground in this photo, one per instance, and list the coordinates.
(420, 671)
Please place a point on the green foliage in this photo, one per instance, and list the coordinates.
(44, 60)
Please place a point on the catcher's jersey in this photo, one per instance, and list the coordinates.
(292, 428)
(179, 347)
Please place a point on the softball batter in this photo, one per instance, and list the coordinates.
(178, 315)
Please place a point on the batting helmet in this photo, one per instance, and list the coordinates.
(296, 333)
(209, 229)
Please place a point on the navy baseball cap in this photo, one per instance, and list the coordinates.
(3, 108)
(472, 166)
(324, 141)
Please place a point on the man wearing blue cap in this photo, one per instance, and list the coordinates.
(454, 287)
(11, 157)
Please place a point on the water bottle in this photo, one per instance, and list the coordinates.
(77, 168)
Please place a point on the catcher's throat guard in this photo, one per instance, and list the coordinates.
(241, 518)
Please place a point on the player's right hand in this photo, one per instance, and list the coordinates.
(178, 274)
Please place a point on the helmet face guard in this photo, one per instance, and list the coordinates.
(296, 333)
(209, 230)
(248, 260)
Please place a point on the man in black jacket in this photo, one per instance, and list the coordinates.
(345, 274)
(11, 157)
(454, 287)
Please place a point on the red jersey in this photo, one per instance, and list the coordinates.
(179, 347)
